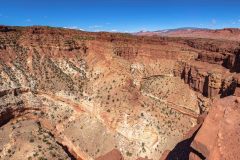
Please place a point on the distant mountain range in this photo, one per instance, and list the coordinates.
(182, 29)
(176, 29)
(226, 33)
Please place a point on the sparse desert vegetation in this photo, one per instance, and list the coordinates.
(67, 94)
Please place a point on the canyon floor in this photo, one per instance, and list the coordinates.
(68, 94)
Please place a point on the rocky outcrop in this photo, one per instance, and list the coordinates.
(235, 61)
(228, 59)
(215, 58)
(213, 73)
(210, 80)
(219, 136)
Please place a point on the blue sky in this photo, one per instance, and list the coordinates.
(121, 15)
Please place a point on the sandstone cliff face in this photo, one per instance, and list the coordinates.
(229, 58)
(235, 61)
(209, 79)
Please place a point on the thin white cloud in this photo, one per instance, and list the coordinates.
(95, 26)
(113, 30)
(74, 27)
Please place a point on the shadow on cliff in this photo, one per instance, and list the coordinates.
(236, 65)
(183, 149)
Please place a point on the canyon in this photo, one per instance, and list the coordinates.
(70, 94)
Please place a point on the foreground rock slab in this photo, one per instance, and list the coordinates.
(219, 136)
